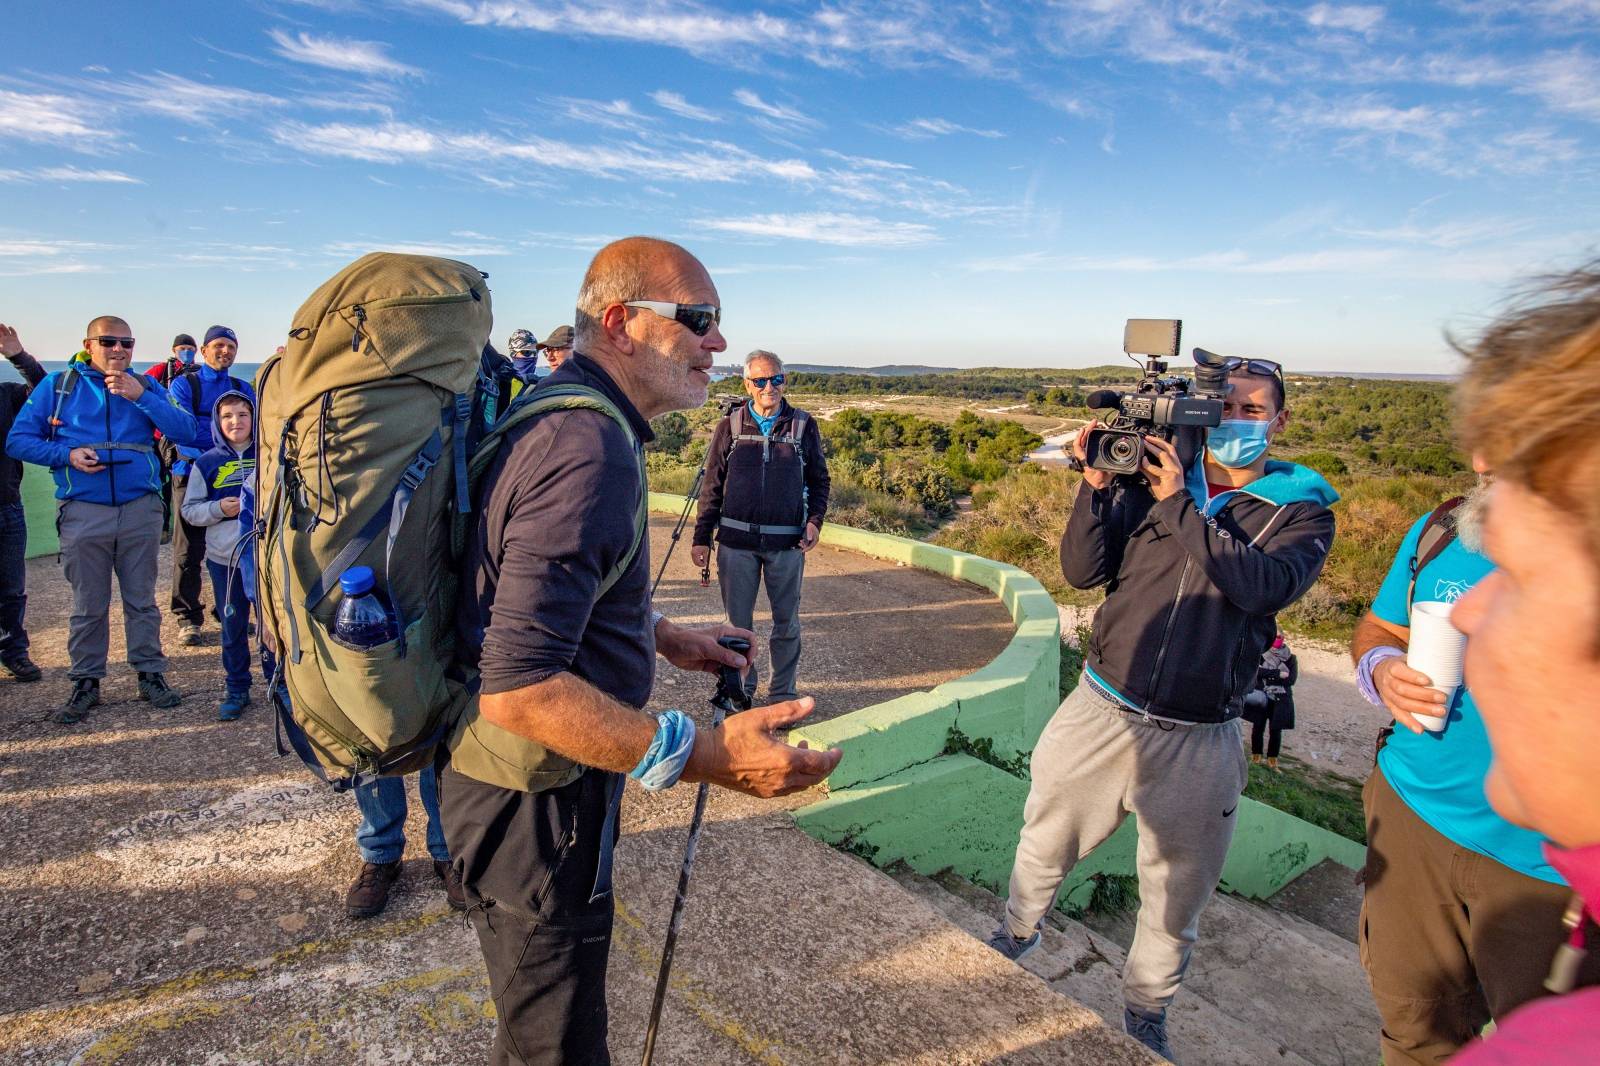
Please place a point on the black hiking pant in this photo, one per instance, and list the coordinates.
(528, 862)
(188, 562)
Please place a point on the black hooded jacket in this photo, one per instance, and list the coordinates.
(1192, 596)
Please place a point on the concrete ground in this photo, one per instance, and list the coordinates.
(172, 889)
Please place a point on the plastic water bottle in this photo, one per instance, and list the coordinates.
(364, 619)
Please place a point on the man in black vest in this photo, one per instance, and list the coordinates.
(764, 495)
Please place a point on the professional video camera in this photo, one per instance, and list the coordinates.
(1172, 408)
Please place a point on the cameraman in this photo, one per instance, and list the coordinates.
(1197, 563)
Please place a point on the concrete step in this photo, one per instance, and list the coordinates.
(1326, 895)
(1279, 973)
(1084, 965)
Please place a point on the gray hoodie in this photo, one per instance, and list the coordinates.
(218, 475)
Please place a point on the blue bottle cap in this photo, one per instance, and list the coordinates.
(356, 580)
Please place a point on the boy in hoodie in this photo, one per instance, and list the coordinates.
(1530, 402)
(197, 392)
(1199, 561)
(212, 500)
(93, 425)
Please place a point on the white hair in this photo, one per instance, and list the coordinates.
(760, 355)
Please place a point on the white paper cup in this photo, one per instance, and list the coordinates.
(1436, 650)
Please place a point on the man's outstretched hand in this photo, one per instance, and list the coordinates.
(744, 753)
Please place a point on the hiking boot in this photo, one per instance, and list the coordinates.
(22, 668)
(1255, 760)
(85, 694)
(1149, 1029)
(232, 706)
(154, 687)
(189, 635)
(1009, 946)
(370, 893)
(454, 893)
(1272, 764)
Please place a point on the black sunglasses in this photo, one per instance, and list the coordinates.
(761, 383)
(1264, 367)
(113, 342)
(696, 318)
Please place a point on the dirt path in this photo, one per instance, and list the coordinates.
(1335, 728)
(151, 853)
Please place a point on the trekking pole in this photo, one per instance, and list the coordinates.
(683, 520)
(730, 696)
(688, 504)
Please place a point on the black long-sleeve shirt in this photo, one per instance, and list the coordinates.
(13, 394)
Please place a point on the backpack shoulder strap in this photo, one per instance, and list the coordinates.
(1438, 531)
(64, 386)
(535, 403)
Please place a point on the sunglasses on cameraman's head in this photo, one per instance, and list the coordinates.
(114, 342)
(761, 383)
(1264, 367)
(696, 318)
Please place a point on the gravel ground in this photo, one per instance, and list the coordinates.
(150, 850)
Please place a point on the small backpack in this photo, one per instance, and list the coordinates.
(1438, 531)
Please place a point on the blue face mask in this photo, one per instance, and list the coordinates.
(1238, 442)
(186, 355)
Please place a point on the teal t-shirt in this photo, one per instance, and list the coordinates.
(1440, 775)
(766, 422)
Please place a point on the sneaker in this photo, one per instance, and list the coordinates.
(85, 694)
(22, 668)
(1149, 1029)
(189, 635)
(454, 893)
(154, 687)
(1009, 946)
(370, 893)
(232, 706)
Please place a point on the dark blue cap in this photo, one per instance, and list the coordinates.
(220, 331)
(356, 580)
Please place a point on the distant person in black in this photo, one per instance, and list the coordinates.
(13, 522)
(566, 666)
(1270, 708)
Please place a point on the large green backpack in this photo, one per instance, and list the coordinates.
(373, 423)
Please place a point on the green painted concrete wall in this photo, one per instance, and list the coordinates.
(897, 796)
(955, 812)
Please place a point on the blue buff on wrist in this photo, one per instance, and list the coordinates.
(668, 754)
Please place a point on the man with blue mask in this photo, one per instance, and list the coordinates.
(198, 392)
(1199, 560)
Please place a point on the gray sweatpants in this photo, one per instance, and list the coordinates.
(1094, 765)
(741, 573)
(96, 541)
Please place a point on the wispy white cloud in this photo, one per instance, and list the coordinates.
(827, 228)
(395, 142)
(181, 98)
(611, 114)
(922, 129)
(779, 116)
(1358, 18)
(1456, 233)
(337, 53)
(448, 249)
(47, 117)
(893, 32)
(675, 102)
(68, 174)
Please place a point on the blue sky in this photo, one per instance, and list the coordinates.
(903, 182)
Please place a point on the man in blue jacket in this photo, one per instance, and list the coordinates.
(197, 392)
(93, 426)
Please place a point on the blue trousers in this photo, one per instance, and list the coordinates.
(13, 581)
(382, 835)
(233, 611)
